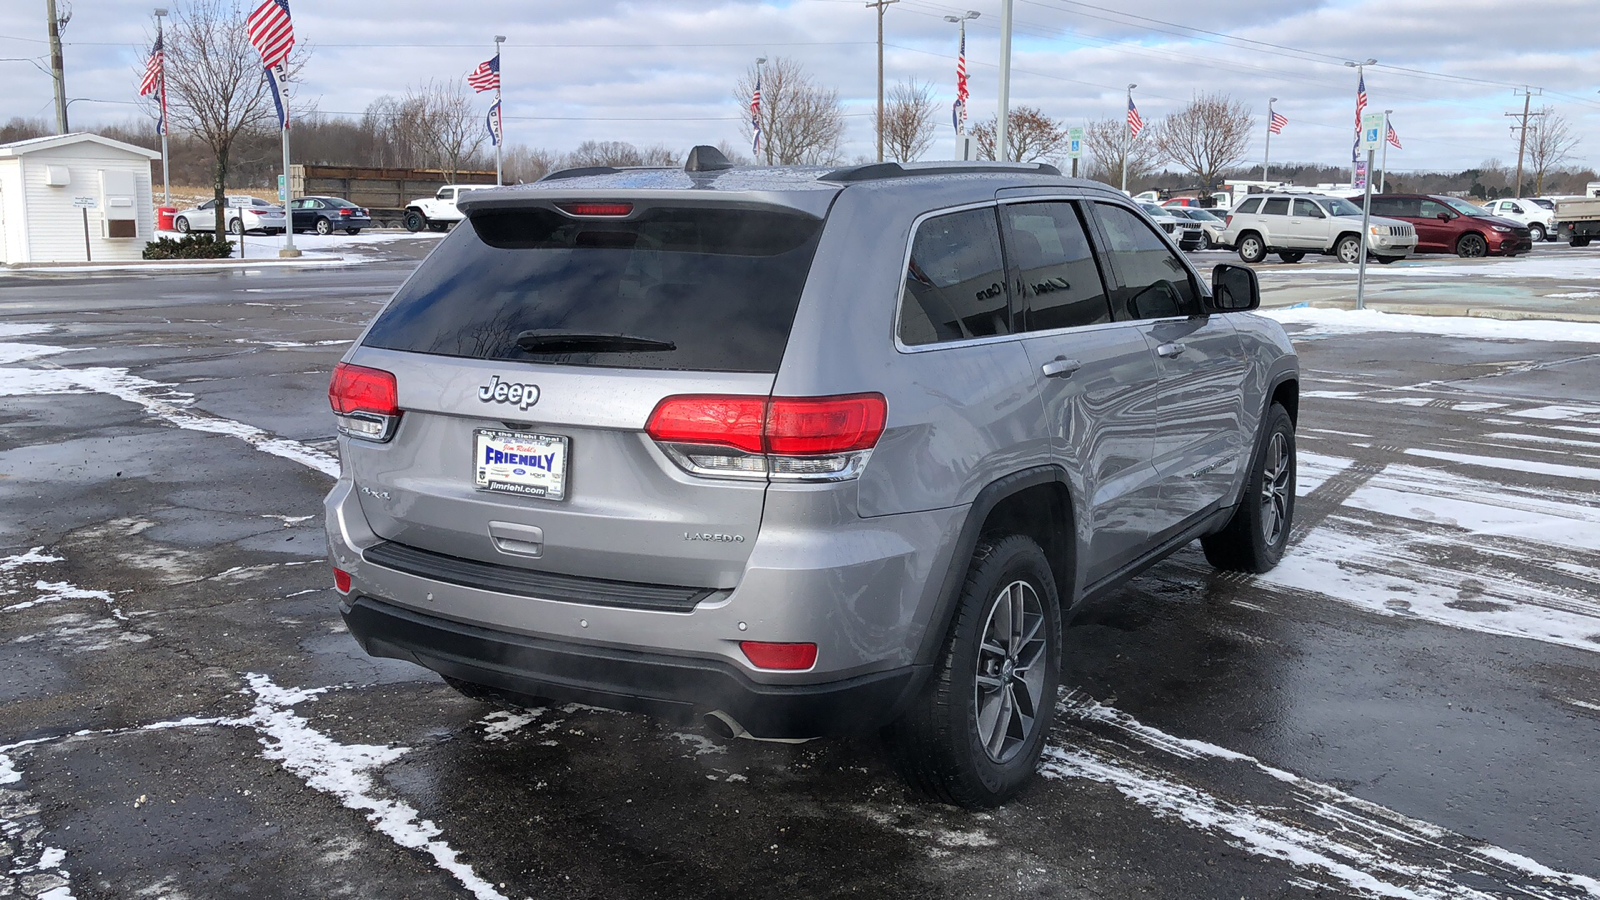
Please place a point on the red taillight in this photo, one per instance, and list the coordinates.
(1227, 220)
(360, 389)
(821, 425)
(346, 212)
(793, 657)
(597, 209)
(341, 581)
(710, 420)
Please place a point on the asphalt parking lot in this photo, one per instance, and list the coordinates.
(1407, 707)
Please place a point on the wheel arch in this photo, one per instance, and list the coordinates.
(1034, 502)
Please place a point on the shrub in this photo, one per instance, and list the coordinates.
(198, 245)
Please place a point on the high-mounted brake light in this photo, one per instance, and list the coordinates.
(790, 657)
(596, 209)
(365, 401)
(781, 438)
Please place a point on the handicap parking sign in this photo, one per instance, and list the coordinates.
(1372, 130)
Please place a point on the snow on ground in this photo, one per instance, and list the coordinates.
(1577, 266)
(316, 250)
(1353, 321)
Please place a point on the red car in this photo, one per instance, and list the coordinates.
(1452, 225)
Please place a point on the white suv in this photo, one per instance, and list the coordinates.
(438, 213)
(1539, 219)
(1292, 226)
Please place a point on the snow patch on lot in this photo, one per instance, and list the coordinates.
(1353, 321)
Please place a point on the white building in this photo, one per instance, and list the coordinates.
(48, 184)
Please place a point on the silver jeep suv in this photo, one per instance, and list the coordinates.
(800, 452)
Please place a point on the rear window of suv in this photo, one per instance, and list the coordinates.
(720, 285)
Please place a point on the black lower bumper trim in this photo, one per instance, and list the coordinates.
(673, 687)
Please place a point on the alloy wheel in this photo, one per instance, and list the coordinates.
(1009, 688)
(1275, 488)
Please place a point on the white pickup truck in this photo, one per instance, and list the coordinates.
(438, 213)
(1577, 220)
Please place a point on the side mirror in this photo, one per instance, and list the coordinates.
(1234, 289)
(1444, 217)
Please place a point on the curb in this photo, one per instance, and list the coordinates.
(1476, 312)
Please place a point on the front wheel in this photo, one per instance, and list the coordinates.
(974, 734)
(414, 221)
(181, 224)
(1292, 256)
(1472, 246)
(1536, 233)
(1255, 537)
(1348, 249)
(1251, 248)
(236, 226)
(324, 226)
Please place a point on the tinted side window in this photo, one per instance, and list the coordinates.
(955, 282)
(1154, 282)
(1059, 282)
(1248, 206)
(1387, 206)
(1308, 209)
(1431, 209)
(1276, 206)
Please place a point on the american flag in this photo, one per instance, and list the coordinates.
(271, 32)
(1135, 124)
(755, 117)
(1276, 124)
(1394, 138)
(1361, 107)
(152, 71)
(486, 77)
(958, 113)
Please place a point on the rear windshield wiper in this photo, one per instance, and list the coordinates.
(588, 342)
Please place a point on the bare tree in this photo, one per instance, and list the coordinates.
(1108, 144)
(1207, 137)
(1031, 136)
(907, 120)
(524, 164)
(1550, 145)
(216, 87)
(446, 126)
(801, 123)
(620, 153)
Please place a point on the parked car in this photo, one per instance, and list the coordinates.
(1539, 219)
(245, 213)
(1185, 231)
(325, 215)
(438, 213)
(1294, 225)
(1452, 225)
(1211, 225)
(800, 452)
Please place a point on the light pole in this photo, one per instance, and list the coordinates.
(1266, 158)
(1361, 102)
(961, 67)
(1001, 119)
(1383, 168)
(1127, 137)
(166, 177)
(880, 6)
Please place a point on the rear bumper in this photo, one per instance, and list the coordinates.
(675, 688)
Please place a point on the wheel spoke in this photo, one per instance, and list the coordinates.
(996, 737)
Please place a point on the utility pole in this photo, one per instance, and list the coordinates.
(1003, 119)
(1522, 130)
(880, 6)
(58, 72)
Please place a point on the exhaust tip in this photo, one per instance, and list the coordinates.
(719, 724)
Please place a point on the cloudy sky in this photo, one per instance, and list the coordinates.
(662, 71)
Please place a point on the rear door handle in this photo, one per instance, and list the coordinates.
(1171, 349)
(1060, 367)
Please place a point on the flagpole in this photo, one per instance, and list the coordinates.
(499, 111)
(1127, 136)
(1266, 157)
(288, 190)
(1383, 173)
(166, 177)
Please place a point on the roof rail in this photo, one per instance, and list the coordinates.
(579, 172)
(883, 170)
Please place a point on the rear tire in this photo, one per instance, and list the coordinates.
(414, 221)
(1255, 537)
(352, 231)
(974, 734)
(1251, 248)
(181, 224)
(324, 226)
(236, 226)
(1580, 242)
(1292, 256)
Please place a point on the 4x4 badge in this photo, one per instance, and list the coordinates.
(520, 395)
